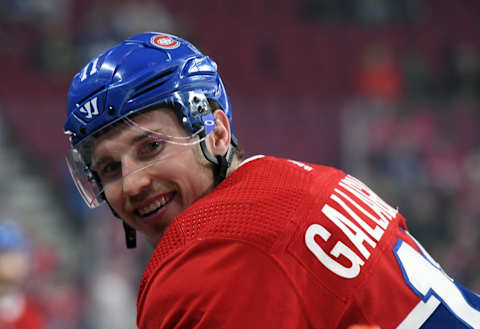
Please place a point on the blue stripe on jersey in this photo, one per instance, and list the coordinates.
(472, 298)
(459, 307)
(442, 318)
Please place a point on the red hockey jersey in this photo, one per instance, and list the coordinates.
(283, 244)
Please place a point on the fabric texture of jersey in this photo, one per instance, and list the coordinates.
(284, 244)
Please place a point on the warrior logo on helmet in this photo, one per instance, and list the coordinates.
(164, 42)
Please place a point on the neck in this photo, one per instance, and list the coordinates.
(234, 166)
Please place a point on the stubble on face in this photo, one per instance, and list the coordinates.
(201, 182)
(189, 174)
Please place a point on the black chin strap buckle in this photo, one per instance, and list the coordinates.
(221, 169)
(225, 161)
(130, 236)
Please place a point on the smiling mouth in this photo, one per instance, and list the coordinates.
(155, 206)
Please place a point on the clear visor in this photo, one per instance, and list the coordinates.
(103, 160)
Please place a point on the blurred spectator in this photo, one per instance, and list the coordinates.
(58, 287)
(379, 76)
(18, 310)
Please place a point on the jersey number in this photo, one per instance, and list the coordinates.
(433, 286)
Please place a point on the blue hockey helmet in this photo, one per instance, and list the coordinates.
(143, 72)
(146, 70)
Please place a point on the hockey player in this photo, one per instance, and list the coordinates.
(17, 309)
(259, 243)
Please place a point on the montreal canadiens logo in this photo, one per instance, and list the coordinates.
(164, 42)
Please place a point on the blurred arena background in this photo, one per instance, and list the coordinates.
(387, 90)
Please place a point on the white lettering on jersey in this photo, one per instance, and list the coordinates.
(364, 225)
(339, 249)
(88, 107)
(301, 165)
(352, 231)
(376, 232)
(384, 211)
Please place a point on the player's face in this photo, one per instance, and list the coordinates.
(149, 199)
(13, 269)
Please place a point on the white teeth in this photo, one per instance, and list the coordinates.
(154, 205)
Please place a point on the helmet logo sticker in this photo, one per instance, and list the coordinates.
(93, 70)
(90, 108)
(208, 122)
(164, 42)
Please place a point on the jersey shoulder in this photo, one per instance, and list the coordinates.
(255, 203)
(219, 283)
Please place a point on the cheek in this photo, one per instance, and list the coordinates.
(197, 182)
(113, 194)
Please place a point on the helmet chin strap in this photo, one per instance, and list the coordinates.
(130, 236)
(221, 162)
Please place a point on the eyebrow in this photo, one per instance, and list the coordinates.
(142, 135)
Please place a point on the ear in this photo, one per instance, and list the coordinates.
(219, 138)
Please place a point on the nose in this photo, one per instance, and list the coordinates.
(135, 179)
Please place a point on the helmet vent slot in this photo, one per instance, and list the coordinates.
(90, 95)
(152, 83)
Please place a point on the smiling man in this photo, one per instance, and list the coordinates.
(263, 243)
(151, 170)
